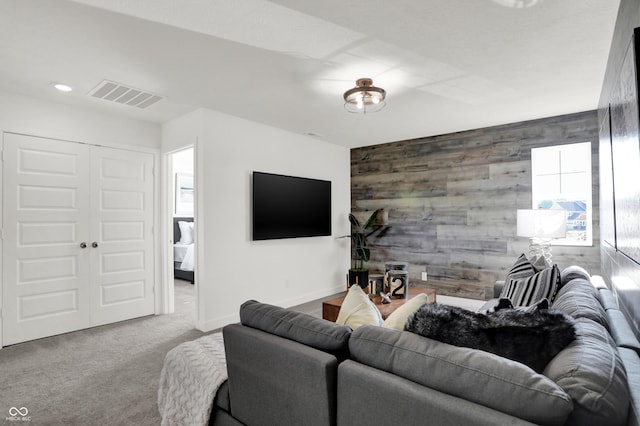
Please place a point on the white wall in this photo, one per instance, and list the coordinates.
(183, 161)
(230, 267)
(21, 114)
(25, 115)
(182, 164)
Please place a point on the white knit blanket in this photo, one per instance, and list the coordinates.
(190, 377)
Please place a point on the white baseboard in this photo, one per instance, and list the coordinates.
(216, 323)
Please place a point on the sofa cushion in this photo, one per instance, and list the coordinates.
(571, 272)
(578, 298)
(530, 337)
(398, 318)
(581, 284)
(358, 310)
(395, 401)
(478, 376)
(302, 328)
(590, 370)
(527, 291)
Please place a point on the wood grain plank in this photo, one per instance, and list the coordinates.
(452, 200)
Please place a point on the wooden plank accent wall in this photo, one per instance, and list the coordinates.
(452, 201)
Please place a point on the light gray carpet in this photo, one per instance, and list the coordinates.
(101, 376)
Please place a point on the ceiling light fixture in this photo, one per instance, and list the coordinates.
(518, 4)
(365, 97)
(63, 87)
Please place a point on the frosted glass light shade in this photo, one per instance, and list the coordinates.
(365, 97)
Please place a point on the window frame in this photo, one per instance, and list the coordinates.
(558, 164)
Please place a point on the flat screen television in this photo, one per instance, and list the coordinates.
(290, 207)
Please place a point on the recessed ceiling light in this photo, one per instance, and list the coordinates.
(518, 4)
(63, 87)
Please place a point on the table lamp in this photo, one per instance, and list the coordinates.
(541, 226)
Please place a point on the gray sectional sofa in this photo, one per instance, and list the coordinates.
(288, 368)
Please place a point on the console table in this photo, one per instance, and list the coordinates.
(331, 307)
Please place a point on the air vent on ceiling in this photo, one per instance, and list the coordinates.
(123, 94)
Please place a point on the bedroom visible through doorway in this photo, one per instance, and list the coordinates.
(183, 224)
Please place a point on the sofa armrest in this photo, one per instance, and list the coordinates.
(631, 363)
(621, 331)
(273, 380)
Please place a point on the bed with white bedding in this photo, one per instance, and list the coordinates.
(183, 248)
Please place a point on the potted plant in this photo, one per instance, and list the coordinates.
(359, 274)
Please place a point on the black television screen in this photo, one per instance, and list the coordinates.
(290, 207)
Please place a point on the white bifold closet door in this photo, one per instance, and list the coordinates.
(77, 247)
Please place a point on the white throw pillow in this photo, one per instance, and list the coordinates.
(186, 232)
(398, 318)
(357, 309)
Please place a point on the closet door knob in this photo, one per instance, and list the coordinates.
(83, 245)
(94, 244)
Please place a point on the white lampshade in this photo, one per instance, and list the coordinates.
(541, 223)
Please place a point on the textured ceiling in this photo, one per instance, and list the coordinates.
(447, 65)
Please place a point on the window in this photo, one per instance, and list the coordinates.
(561, 179)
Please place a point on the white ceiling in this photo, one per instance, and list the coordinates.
(447, 65)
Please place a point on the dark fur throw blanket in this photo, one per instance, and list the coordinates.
(530, 337)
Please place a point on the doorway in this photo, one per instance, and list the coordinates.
(181, 212)
(78, 236)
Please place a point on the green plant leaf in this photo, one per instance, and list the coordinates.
(358, 239)
(372, 219)
(354, 221)
(363, 253)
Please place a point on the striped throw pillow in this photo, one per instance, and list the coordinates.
(523, 268)
(528, 291)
